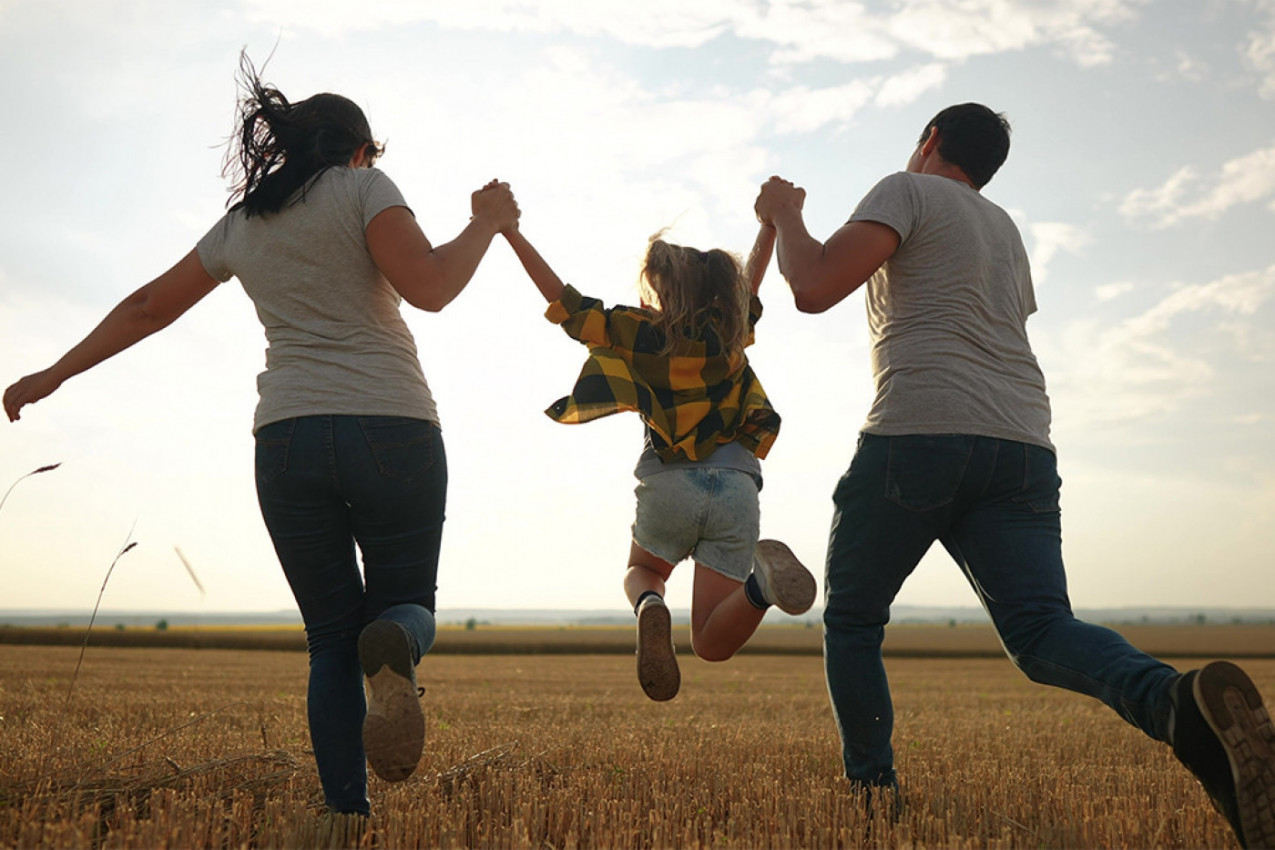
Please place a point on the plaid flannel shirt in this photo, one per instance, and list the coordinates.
(692, 401)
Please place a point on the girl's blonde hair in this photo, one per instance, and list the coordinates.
(682, 284)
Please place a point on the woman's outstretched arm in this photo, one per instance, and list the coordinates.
(152, 308)
(430, 278)
(538, 270)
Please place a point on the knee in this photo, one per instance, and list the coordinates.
(843, 614)
(706, 651)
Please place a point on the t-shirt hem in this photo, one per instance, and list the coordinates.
(262, 419)
(965, 429)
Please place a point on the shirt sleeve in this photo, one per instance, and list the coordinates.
(892, 202)
(585, 319)
(212, 250)
(377, 193)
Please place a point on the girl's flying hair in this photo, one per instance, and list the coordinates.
(686, 287)
(279, 146)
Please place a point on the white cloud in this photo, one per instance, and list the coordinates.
(907, 87)
(1112, 291)
(1260, 50)
(806, 31)
(1246, 179)
(1153, 362)
(804, 110)
(1050, 237)
(1238, 294)
(1191, 68)
(801, 30)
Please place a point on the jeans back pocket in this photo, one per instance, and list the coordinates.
(271, 454)
(403, 447)
(925, 472)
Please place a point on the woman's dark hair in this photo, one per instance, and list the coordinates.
(972, 137)
(280, 146)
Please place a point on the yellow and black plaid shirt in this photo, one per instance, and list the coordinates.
(692, 402)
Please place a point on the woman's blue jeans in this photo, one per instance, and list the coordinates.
(994, 506)
(326, 483)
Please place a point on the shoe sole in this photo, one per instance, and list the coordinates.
(788, 581)
(394, 728)
(656, 659)
(1233, 708)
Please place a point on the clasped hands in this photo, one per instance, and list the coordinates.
(776, 196)
(495, 203)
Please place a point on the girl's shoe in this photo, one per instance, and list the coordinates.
(656, 657)
(394, 729)
(785, 583)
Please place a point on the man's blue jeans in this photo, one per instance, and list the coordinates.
(324, 484)
(994, 506)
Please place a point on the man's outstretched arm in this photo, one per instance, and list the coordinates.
(821, 274)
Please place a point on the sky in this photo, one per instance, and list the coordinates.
(1142, 177)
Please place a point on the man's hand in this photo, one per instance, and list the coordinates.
(777, 194)
(495, 202)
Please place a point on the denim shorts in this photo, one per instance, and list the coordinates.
(711, 514)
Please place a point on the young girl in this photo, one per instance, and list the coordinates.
(678, 361)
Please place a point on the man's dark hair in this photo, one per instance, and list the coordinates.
(972, 137)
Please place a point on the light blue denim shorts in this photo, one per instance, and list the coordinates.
(711, 514)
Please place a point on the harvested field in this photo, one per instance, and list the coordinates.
(906, 640)
(208, 748)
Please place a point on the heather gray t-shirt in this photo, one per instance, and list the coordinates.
(336, 342)
(948, 314)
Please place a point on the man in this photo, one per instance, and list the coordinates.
(956, 448)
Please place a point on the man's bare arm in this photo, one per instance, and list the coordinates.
(821, 275)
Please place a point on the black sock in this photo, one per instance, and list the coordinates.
(642, 598)
(753, 591)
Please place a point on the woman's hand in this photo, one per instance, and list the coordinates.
(29, 390)
(495, 203)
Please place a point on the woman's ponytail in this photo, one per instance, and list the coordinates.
(280, 146)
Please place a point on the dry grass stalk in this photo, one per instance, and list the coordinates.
(47, 468)
(128, 544)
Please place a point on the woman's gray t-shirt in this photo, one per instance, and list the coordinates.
(336, 341)
(948, 314)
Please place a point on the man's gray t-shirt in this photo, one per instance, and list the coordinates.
(336, 341)
(948, 314)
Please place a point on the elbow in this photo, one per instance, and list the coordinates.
(429, 305)
(808, 303)
(424, 298)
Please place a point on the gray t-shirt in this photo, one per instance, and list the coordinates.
(336, 342)
(730, 455)
(948, 314)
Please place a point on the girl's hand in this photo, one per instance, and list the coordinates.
(495, 202)
(29, 390)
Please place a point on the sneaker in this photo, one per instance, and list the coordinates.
(1223, 734)
(394, 729)
(785, 582)
(656, 657)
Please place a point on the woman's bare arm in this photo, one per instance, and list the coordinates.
(151, 308)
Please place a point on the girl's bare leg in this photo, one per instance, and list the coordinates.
(646, 572)
(722, 618)
(657, 668)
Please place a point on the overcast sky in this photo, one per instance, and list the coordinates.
(1142, 175)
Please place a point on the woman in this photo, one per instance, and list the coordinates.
(348, 449)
